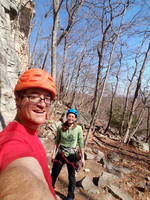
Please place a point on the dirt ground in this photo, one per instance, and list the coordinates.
(62, 183)
(133, 158)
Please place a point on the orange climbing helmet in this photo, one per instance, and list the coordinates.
(36, 78)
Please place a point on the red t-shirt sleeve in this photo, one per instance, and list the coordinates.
(11, 150)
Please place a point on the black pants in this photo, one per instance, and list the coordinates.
(57, 166)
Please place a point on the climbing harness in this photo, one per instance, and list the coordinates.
(65, 152)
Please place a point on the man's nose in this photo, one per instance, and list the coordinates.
(42, 102)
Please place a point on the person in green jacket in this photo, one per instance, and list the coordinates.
(69, 137)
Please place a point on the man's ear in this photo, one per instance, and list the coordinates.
(18, 100)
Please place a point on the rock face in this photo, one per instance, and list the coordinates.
(15, 26)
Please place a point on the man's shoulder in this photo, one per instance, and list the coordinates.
(6, 132)
(12, 132)
(11, 127)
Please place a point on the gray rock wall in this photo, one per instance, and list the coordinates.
(15, 20)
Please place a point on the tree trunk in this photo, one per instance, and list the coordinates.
(127, 100)
(56, 6)
(148, 125)
(77, 78)
(112, 100)
(138, 86)
(62, 82)
(138, 123)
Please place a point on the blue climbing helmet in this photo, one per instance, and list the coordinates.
(74, 111)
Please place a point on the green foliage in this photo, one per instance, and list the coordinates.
(141, 132)
(116, 118)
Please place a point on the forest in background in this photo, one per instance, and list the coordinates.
(98, 54)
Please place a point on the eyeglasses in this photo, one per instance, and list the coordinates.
(36, 99)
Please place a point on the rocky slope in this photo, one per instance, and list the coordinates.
(113, 170)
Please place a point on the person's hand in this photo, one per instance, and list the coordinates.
(53, 156)
(27, 171)
(82, 162)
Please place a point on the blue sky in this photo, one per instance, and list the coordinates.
(132, 42)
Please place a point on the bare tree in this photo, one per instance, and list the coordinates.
(72, 11)
(138, 87)
(102, 27)
(146, 101)
(77, 77)
(56, 7)
(122, 127)
(62, 81)
(107, 39)
(148, 123)
(114, 91)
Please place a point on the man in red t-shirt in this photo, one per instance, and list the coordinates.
(24, 172)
